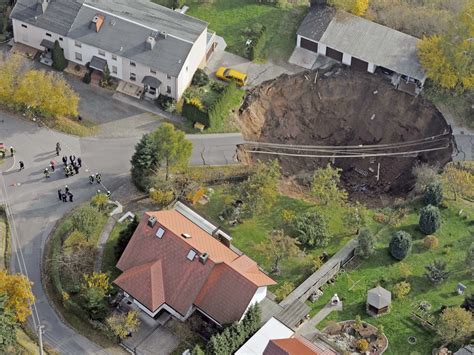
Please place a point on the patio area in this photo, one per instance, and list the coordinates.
(130, 89)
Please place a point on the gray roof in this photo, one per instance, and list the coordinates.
(127, 39)
(98, 63)
(154, 16)
(379, 297)
(58, 17)
(465, 350)
(151, 81)
(316, 22)
(365, 40)
(292, 315)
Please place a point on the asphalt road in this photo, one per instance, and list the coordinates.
(35, 206)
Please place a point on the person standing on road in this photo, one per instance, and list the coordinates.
(79, 162)
(60, 194)
(76, 168)
(65, 160)
(12, 151)
(22, 165)
(58, 148)
(46, 173)
(64, 197)
(52, 164)
(71, 197)
(66, 188)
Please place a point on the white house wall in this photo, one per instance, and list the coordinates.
(258, 297)
(32, 35)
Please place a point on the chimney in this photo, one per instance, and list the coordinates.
(203, 258)
(44, 5)
(163, 35)
(41, 6)
(186, 236)
(98, 21)
(150, 42)
(151, 221)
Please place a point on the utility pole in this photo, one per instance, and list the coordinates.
(378, 171)
(40, 338)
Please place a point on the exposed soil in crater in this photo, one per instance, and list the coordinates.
(344, 108)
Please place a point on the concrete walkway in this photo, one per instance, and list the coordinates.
(308, 328)
(109, 226)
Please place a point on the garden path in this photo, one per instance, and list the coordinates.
(310, 326)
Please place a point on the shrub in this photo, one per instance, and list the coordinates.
(436, 272)
(284, 290)
(430, 219)
(194, 113)
(87, 78)
(425, 175)
(100, 201)
(200, 78)
(162, 197)
(400, 245)
(430, 242)
(366, 244)
(433, 194)
(166, 103)
(311, 229)
(219, 111)
(59, 61)
(401, 289)
(258, 44)
(362, 345)
(124, 237)
(85, 220)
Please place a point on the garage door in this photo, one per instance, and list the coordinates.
(358, 64)
(309, 45)
(332, 53)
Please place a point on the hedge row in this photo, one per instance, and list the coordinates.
(257, 45)
(217, 113)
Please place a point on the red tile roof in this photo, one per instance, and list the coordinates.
(222, 287)
(296, 346)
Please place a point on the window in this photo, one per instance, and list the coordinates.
(191, 255)
(133, 76)
(77, 44)
(78, 56)
(168, 77)
(60, 38)
(152, 71)
(114, 57)
(160, 232)
(168, 89)
(133, 64)
(101, 52)
(48, 34)
(24, 26)
(114, 69)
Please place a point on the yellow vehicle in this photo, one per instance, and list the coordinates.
(228, 74)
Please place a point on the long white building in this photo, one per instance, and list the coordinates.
(141, 42)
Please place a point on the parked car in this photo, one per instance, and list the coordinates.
(228, 74)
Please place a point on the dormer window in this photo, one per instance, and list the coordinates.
(160, 232)
(191, 255)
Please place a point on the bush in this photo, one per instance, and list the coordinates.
(124, 237)
(366, 244)
(425, 175)
(194, 113)
(87, 78)
(430, 242)
(436, 272)
(401, 289)
(219, 111)
(85, 220)
(161, 196)
(59, 61)
(362, 345)
(433, 194)
(258, 44)
(400, 245)
(311, 229)
(200, 78)
(284, 290)
(430, 219)
(166, 103)
(100, 201)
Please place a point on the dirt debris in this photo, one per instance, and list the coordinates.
(339, 108)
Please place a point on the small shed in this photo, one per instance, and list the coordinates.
(378, 301)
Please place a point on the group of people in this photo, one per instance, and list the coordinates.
(73, 167)
(63, 196)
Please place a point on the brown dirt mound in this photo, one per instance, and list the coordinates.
(344, 108)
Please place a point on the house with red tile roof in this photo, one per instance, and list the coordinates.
(178, 262)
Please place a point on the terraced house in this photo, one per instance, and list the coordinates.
(143, 44)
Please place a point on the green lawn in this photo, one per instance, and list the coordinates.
(455, 236)
(254, 231)
(229, 18)
(109, 260)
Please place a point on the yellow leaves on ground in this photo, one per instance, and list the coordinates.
(356, 7)
(17, 287)
(47, 93)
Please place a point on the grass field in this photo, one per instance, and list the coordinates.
(455, 236)
(229, 18)
(254, 231)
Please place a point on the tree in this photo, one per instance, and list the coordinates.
(85, 220)
(105, 77)
(436, 272)
(144, 162)
(218, 345)
(277, 247)
(171, 147)
(252, 319)
(401, 289)
(200, 78)
(59, 61)
(455, 325)
(19, 297)
(433, 194)
(260, 191)
(425, 175)
(122, 325)
(459, 182)
(366, 244)
(356, 7)
(430, 219)
(124, 237)
(197, 350)
(448, 58)
(468, 303)
(355, 217)
(8, 325)
(100, 201)
(93, 302)
(324, 186)
(99, 281)
(470, 259)
(400, 245)
(10, 74)
(430, 242)
(284, 290)
(311, 229)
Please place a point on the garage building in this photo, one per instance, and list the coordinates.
(362, 44)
